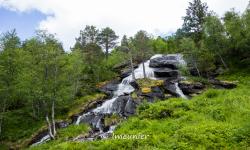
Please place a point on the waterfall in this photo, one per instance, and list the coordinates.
(44, 139)
(179, 91)
(123, 88)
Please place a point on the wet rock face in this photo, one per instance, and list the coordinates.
(125, 105)
(134, 85)
(170, 87)
(165, 72)
(130, 107)
(156, 93)
(38, 137)
(125, 73)
(110, 87)
(164, 62)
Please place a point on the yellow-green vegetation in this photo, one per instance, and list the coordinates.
(216, 119)
(148, 83)
(111, 120)
(134, 96)
(81, 103)
(72, 131)
(64, 135)
(145, 90)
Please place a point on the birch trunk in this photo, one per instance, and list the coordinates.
(223, 62)
(132, 67)
(1, 116)
(144, 71)
(49, 127)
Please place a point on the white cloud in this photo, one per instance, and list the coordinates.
(67, 17)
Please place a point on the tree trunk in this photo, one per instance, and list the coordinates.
(107, 51)
(223, 62)
(75, 87)
(53, 118)
(132, 67)
(144, 71)
(49, 127)
(195, 65)
(1, 116)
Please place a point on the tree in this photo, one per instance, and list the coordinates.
(237, 30)
(10, 67)
(200, 58)
(160, 46)
(194, 19)
(127, 46)
(88, 35)
(190, 51)
(50, 70)
(142, 44)
(107, 38)
(215, 37)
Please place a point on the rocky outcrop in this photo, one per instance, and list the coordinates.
(170, 87)
(222, 84)
(110, 87)
(154, 94)
(164, 62)
(191, 88)
(166, 72)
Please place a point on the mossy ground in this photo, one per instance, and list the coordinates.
(216, 119)
(19, 125)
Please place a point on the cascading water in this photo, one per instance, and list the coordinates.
(179, 91)
(124, 88)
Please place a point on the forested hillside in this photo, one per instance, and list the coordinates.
(45, 89)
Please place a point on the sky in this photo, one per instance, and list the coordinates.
(66, 18)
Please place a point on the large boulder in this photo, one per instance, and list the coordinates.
(170, 87)
(161, 62)
(165, 72)
(135, 85)
(167, 61)
(130, 107)
(110, 87)
(125, 73)
(154, 94)
(120, 103)
(191, 88)
(93, 119)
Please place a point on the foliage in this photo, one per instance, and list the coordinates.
(216, 119)
(194, 19)
(72, 131)
(107, 38)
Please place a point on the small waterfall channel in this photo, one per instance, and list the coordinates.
(95, 116)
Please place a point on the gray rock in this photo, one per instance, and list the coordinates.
(222, 84)
(130, 107)
(164, 62)
(191, 88)
(110, 87)
(170, 87)
(165, 72)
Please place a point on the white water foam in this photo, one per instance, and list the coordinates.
(179, 91)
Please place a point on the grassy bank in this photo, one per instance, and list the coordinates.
(216, 119)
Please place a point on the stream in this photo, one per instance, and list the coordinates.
(96, 116)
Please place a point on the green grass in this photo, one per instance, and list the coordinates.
(18, 125)
(216, 119)
(78, 105)
(72, 131)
